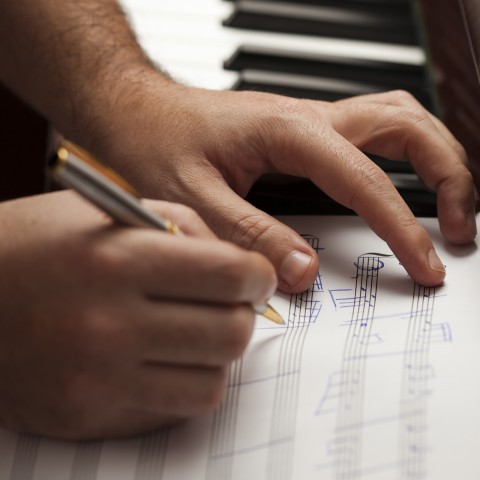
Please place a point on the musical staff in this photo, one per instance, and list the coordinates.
(348, 452)
(417, 373)
(152, 456)
(303, 312)
(222, 437)
(25, 457)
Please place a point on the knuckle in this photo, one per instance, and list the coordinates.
(188, 214)
(280, 106)
(293, 109)
(281, 116)
(403, 97)
(186, 401)
(210, 397)
(466, 176)
(233, 275)
(101, 259)
(96, 332)
(236, 332)
(411, 117)
(399, 98)
(460, 151)
(404, 109)
(461, 176)
(366, 179)
(171, 210)
(405, 223)
(250, 230)
(105, 258)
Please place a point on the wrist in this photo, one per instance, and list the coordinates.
(128, 117)
(100, 104)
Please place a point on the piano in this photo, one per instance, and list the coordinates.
(325, 49)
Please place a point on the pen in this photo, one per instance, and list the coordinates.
(74, 168)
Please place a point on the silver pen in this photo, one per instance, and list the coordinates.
(74, 168)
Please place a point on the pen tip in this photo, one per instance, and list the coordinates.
(273, 315)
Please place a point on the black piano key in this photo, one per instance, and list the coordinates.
(398, 6)
(376, 72)
(352, 23)
(314, 88)
(302, 197)
(392, 166)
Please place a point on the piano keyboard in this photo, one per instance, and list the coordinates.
(189, 40)
(290, 48)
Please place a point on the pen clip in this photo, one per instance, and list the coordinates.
(67, 147)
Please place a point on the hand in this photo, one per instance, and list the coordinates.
(206, 149)
(109, 330)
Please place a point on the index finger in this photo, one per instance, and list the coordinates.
(352, 179)
(195, 269)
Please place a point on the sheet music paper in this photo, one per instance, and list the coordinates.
(373, 377)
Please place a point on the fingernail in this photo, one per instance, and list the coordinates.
(435, 262)
(294, 266)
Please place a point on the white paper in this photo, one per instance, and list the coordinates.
(373, 377)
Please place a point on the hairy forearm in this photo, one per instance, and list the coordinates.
(73, 60)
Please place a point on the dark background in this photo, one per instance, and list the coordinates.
(23, 140)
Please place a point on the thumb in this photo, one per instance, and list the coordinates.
(234, 219)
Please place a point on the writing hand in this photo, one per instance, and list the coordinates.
(108, 330)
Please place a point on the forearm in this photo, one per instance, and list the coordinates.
(73, 60)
